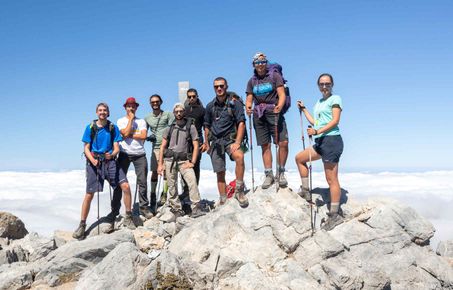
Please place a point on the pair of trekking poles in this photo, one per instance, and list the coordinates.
(277, 156)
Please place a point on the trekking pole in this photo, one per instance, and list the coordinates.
(277, 159)
(251, 153)
(310, 141)
(135, 196)
(159, 183)
(302, 128)
(99, 189)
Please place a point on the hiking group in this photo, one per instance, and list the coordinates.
(180, 138)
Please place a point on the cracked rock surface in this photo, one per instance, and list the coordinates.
(268, 245)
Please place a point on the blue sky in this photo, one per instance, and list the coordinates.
(392, 64)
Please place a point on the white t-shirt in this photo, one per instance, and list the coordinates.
(129, 145)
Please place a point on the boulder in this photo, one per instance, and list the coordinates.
(67, 262)
(118, 270)
(11, 226)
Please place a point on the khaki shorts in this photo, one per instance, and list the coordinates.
(154, 159)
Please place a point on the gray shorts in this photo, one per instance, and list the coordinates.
(218, 159)
(329, 147)
(155, 158)
(108, 170)
(265, 128)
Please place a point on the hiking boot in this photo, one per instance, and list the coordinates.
(197, 212)
(144, 211)
(129, 222)
(268, 181)
(177, 212)
(79, 233)
(333, 220)
(304, 193)
(240, 196)
(282, 182)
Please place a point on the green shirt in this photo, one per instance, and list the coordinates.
(157, 125)
(323, 114)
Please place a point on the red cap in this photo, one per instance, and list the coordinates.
(131, 100)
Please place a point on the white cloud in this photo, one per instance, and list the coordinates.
(51, 200)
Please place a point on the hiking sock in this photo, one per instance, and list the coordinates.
(239, 183)
(129, 213)
(83, 222)
(305, 183)
(334, 207)
(281, 169)
(268, 171)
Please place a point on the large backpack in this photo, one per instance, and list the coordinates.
(275, 68)
(232, 97)
(186, 128)
(94, 129)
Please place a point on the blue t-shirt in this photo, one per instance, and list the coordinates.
(102, 142)
(323, 114)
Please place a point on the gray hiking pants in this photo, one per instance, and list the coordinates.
(141, 170)
(189, 177)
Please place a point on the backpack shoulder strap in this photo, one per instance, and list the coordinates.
(93, 131)
(112, 132)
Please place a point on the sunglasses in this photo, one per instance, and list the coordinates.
(179, 111)
(155, 102)
(219, 86)
(192, 97)
(325, 85)
(258, 62)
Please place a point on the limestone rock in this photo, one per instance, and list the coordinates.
(11, 226)
(118, 270)
(65, 263)
(148, 240)
(445, 249)
(16, 276)
(35, 247)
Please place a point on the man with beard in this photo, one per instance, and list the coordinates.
(224, 128)
(157, 121)
(132, 150)
(180, 150)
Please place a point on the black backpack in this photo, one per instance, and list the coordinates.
(94, 130)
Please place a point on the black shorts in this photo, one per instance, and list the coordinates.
(329, 147)
(265, 128)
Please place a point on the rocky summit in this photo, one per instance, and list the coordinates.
(271, 244)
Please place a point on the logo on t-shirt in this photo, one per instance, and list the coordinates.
(262, 89)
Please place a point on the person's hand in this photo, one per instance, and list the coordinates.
(131, 114)
(203, 148)
(300, 105)
(277, 109)
(234, 147)
(187, 165)
(249, 110)
(160, 169)
(311, 131)
(95, 162)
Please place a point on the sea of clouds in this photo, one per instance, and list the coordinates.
(51, 200)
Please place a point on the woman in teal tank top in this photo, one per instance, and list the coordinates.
(328, 147)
